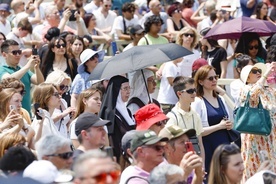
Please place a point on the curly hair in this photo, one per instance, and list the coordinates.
(154, 19)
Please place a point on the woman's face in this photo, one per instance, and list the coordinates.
(93, 103)
(264, 10)
(253, 48)
(254, 75)
(151, 84)
(92, 23)
(16, 102)
(2, 39)
(125, 91)
(77, 47)
(54, 101)
(210, 83)
(59, 48)
(63, 86)
(234, 169)
(203, 41)
(188, 38)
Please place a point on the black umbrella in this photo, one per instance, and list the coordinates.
(137, 58)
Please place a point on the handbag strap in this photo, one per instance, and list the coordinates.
(246, 104)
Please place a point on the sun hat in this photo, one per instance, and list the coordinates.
(86, 55)
(87, 120)
(4, 7)
(247, 69)
(146, 137)
(174, 131)
(148, 115)
(199, 63)
(259, 177)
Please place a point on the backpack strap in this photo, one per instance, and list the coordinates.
(132, 177)
(136, 101)
(175, 116)
(146, 40)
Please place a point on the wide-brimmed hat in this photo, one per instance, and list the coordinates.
(174, 131)
(148, 115)
(87, 120)
(247, 69)
(146, 137)
(86, 55)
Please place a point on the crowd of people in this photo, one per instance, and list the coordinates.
(169, 123)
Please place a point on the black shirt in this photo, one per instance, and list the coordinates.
(215, 57)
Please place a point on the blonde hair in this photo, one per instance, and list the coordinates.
(10, 140)
(57, 76)
(179, 38)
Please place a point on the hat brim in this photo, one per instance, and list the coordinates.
(188, 132)
(101, 122)
(101, 58)
(139, 31)
(145, 125)
(156, 140)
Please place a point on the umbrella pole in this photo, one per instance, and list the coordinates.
(146, 85)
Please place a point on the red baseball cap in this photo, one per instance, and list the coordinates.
(199, 63)
(148, 115)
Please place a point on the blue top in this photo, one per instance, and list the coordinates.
(80, 83)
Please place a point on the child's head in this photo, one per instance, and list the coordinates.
(180, 84)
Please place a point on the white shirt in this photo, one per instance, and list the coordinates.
(187, 63)
(5, 28)
(102, 21)
(61, 125)
(90, 7)
(119, 24)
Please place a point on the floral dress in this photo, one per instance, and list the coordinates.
(253, 144)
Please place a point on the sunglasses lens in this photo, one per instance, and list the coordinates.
(66, 155)
(188, 34)
(191, 91)
(15, 52)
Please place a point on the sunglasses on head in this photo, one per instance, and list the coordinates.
(189, 91)
(63, 87)
(189, 34)
(101, 178)
(155, 147)
(16, 52)
(60, 45)
(64, 156)
(254, 47)
(95, 56)
(211, 78)
(254, 71)
(160, 123)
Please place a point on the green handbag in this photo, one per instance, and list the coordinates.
(252, 120)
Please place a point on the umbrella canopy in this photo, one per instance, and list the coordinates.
(233, 29)
(138, 57)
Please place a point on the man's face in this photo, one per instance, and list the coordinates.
(106, 5)
(59, 162)
(153, 154)
(129, 14)
(96, 136)
(12, 56)
(155, 28)
(60, 4)
(179, 149)
(4, 14)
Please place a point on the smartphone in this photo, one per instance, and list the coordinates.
(36, 106)
(34, 50)
(114, 47)
(72, 17)
(194, 141)
(12, 107)
(264, 155)
(109, 151)
(189, 146)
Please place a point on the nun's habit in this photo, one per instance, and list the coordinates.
(114, 109)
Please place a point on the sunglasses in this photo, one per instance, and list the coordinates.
(189, 91)
(254, 71)
(160, 123)
(22, 92)
(93, 57)
(60, 45)
(63, 87)
(211, 78)
(15, 52)
(189, 34)
(155, 147)
(64, 156)
(177, 11)
(56, 94)
(254, 47)
(101, 178)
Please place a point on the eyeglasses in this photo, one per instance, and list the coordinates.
(127, 88)
(151, 80)
(254, 71)
(211, 78)
(101, 178)
(22, 92)
(254, 47)
(63, 87)
(155, 147)
(160, 123)
(60, 45)
(56, 94)
(15, 52)
(189, 34)
(189, 91)
(107, 5)
(93, 57)
(177, 11)
(64, 156)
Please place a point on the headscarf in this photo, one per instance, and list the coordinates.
(121, 107)
(138, 85)
(108, 107)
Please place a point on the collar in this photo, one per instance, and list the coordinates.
(181, 111)
(11, 67)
